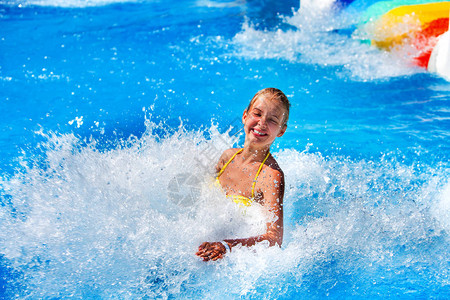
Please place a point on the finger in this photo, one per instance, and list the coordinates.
(203, 248)
(206, 258)
(218, 256)
(211, 251)
(204, 245)
(202, 253)
(215, 254)
(205, 252)
(207, 255)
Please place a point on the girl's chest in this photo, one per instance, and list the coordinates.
(238, 180)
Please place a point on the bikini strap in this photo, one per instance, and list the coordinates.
(226, 164)
(257, 174)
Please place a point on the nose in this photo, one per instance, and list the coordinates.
(262, 122)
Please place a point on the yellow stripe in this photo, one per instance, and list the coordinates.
(257, 174)
(424, 13)
(224, 166)
(401, 22)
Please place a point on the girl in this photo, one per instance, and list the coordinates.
(251, 174)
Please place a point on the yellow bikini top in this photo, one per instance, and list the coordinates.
(238, 199)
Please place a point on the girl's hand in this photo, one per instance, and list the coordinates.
(211, 251)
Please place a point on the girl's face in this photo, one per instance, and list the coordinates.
(264, 121)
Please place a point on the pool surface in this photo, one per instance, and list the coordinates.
(113, 114)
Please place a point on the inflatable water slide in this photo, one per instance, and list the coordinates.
(421, 28)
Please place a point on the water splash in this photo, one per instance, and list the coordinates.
(79, 220)
(321, 34)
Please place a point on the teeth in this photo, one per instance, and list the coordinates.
(258, 132)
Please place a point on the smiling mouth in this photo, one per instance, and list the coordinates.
(259, 132)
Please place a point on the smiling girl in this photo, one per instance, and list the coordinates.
(251, 175)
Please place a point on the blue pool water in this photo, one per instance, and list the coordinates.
(107, 106)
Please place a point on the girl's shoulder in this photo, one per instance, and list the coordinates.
(226, 155)
(273, 167)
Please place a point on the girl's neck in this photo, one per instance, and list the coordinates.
(252, 154)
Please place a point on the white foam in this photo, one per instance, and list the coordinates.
(441, 208)
(220, 4)
(80, 222)
(316, 40)
(103, 219)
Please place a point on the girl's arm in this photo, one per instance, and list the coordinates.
(273, 191)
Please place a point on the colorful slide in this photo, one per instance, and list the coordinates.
(421, 25)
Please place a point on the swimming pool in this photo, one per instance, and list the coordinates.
(109, 106)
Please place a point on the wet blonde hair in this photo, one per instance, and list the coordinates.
(275, 94)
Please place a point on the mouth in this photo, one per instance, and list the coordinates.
(258, 133)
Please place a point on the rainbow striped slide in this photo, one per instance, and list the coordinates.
(421, 25)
